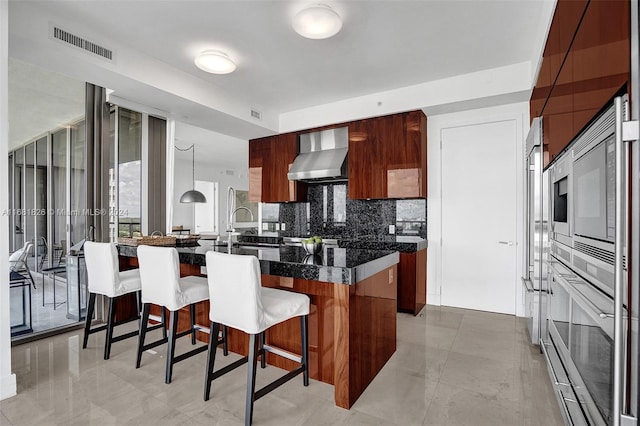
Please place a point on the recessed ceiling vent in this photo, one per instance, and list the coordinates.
(58, 33)
(256, 114)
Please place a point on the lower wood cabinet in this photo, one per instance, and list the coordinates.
(412, 282)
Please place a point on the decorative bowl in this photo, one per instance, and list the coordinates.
(312, 248)
(312, 259)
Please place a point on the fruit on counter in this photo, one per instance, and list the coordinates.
(312, 240)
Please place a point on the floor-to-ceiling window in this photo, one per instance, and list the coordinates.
(128, 128)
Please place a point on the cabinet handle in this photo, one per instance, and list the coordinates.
(506, 243)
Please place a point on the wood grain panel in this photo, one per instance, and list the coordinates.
(366, 161)
(421, 280)
(586, 62)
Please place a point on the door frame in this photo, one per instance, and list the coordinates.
(437, 123)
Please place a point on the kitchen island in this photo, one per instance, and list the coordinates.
(412, 269)
(352, 321)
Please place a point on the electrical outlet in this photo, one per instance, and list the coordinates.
(265, 226)
(283, 226)
(277, 226)
(392, 229)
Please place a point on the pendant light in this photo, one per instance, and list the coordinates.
(192, 196)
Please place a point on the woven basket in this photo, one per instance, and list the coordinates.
(148, 240)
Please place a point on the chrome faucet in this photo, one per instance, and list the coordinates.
(231, 211)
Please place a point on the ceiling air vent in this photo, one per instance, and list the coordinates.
(256, 114)
(58, 33)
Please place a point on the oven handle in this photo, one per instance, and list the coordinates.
(556, 382)
(577, 295)
(564, 406)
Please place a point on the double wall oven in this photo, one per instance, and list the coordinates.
(587, 342)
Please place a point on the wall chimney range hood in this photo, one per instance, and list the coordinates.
(322, 156)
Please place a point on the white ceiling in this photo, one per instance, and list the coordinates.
(383, 45)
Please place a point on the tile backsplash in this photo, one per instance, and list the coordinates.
(329, 212)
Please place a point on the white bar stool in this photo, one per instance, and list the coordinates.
(104, 277)
(239, 301)
(162, 285)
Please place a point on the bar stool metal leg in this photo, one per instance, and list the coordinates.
(214, 328)
(164, 322)
(305, 349)
(263, 354)
(110, 321)
(171, 347)
(143, 332)
(251, 379)
(192, 313)
(87, 325)
(225, 346)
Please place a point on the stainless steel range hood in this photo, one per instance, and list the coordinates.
(322, 156)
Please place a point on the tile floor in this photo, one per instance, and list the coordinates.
(452, 367)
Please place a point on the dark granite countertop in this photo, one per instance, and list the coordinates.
(335, 265)
(405, 244)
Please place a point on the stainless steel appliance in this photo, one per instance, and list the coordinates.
(534, 277)
(322, 156)
(586, 345)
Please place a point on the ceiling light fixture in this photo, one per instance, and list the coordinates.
(192, 195)
(215, 62)
(317, 22)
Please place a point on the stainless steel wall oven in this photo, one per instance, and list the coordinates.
(588, 333)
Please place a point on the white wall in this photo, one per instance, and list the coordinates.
(7, 379)
(520, 113)
(183, 213)
(497, 86)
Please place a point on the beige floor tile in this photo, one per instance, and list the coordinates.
(481, 375)
(452, 366)
(455, 406)
(397, 397)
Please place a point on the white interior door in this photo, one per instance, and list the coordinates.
(206, 214)
(479, 212)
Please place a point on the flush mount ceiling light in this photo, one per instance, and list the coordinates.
(215, 62)
(317, 22)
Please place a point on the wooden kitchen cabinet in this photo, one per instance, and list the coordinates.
(269, 161)
(366, 160)
(388, 157)
(586, 63)
(412, 282)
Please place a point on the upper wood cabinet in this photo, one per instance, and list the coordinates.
(269, 161)
(366, 160)
(388, 157)
(586, 62)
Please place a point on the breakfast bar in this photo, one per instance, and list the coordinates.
(352, 321)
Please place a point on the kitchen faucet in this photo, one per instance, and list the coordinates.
(231, 211)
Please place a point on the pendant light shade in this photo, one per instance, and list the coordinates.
(192, 196)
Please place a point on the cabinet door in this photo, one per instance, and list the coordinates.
(558, 113)
(601, 58)
(366, 161)
(407, 155)
(564, 25)
(257, 151)
(278, 188)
